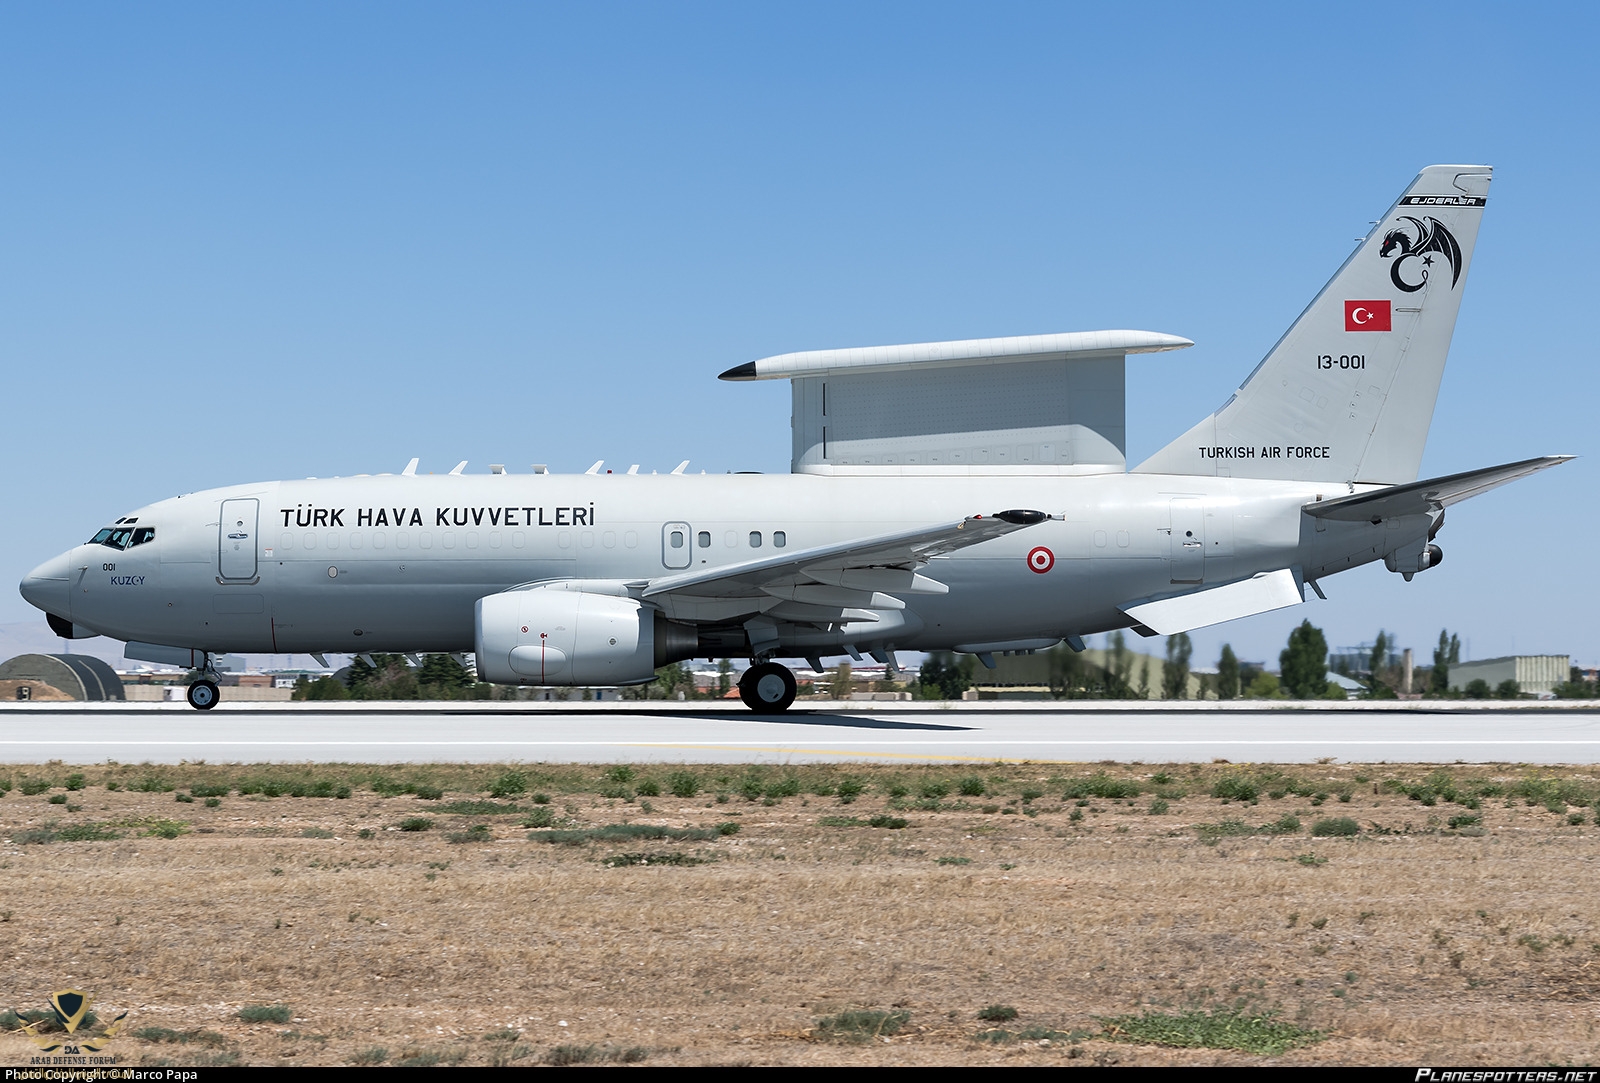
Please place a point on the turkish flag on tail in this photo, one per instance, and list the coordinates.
(1366, 315)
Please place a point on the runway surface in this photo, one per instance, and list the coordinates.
(717, 733)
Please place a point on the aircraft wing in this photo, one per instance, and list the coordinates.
(829, 582)
(1421, 497)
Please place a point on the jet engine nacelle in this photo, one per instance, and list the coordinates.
(1414, 558)
(565, 635)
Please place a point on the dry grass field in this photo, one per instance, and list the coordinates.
(1097, 914)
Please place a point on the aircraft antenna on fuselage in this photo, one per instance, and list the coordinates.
(411, 469)
(595, 469)
(460, 466)
(681, 467)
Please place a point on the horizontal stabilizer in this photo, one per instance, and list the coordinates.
(1422, 497)
(1263, 594)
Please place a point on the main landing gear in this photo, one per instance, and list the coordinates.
(767, 686)
(203, 694)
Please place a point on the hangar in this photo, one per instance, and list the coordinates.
(77, 676)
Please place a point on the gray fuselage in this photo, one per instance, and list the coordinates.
(396, 563)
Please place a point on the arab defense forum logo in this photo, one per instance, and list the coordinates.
(1421, 240)
(69, 1009)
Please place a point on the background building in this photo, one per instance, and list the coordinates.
(1535, 674)
(74, 676)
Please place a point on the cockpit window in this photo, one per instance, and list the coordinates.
(123, 537)
(116, 537)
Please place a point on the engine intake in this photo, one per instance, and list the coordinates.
(558, 635)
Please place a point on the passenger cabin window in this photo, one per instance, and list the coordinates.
(780, 539)
(755, 539)
(705, 539)
(677, 539)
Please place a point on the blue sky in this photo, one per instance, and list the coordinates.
(247, 242)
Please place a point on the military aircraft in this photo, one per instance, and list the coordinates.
(969, 496)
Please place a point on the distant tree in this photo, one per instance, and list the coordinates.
(361, 671)
(1072, 676)
(1067, 674)
(1304, 662)
(670, 680)
(1228, 674)
(1445, 655)
(1175, 670)
(387, 677)
(442, 677)
(1575, 687)
(724, 677)
(1380, 680)
(1507, 689)
(320, 689)
(840, 683)
(1382, 647)
(943, 677)
(1477, 688)
(1264, 686)
(1119, 666)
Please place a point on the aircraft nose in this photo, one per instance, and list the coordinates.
(47, 587)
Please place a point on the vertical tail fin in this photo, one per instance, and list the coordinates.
(1347, 393)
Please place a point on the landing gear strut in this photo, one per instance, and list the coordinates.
(203, 694)
(767, 687)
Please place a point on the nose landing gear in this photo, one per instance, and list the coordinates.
(767, 687)
(203, 694)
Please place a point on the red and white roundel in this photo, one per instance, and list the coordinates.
(1041, 559)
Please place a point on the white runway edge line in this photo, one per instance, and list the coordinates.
(1039, 733)
(803, 709)
(709, 744)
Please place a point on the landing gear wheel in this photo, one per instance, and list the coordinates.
(203, 695)
(767, 687)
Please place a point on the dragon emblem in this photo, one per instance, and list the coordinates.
(1420, 240)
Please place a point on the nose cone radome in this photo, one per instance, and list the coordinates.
(47, 586)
